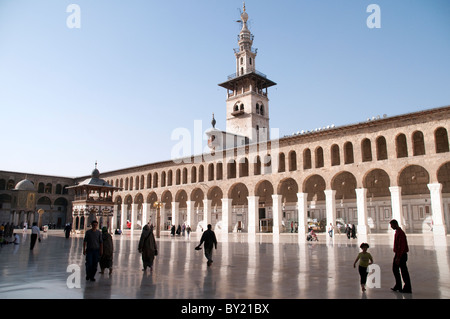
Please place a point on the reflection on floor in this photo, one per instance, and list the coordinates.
(245, 266)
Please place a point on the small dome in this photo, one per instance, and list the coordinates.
(95, 173)
(24, 185)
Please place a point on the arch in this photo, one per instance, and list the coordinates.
(418, 143)
(315, 187)
(257, 166)
(41, 188)
(288, 189)
(231, 168)
(149, 180)
(264, 189)
(152, 198)
(335, 155)
(181, 197)
(137, 184)
(138, 199)
(197, 197)
(166, 198)
(2, 184)
(61, 201)
(215, 194)
(366, 150)
(58, 189)
(178, 176)
(201, 173)
(307, 159)
(155, 180)
(377, 183)
(219, 171)
(169, 177)
(243, 167)
(401, 146)
(210, 172)
(131, 184)
(441, 140)
(381, 148)
(414, 180)
(185, 176)
(348, 153)
(319, 157)
(292, 161)
(193, 174)
(443, 177)
(344, 183)
(238, 193)
(44, 200)
(281, 162)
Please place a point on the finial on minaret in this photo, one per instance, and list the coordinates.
(244, 6)
(96, 164)
(213, 122)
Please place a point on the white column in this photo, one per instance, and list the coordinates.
(123, 216)
(330, 195)
(207, 212)
(145, 210)
(277, 213)
(133, 216)
(114, 219)
(396, 202)
(190, 214)
(302, 207)
(175, 214)
(253, 215)
(226, 215)
(361, 205)
(437, 209)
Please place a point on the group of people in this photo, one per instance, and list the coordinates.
(98, 248)
(399, 267)
(180, 231)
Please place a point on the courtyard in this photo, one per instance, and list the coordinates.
(261, 266)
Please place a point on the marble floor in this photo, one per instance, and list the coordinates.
(245, 266)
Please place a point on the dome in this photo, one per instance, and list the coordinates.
(95, 173)
(24, 185)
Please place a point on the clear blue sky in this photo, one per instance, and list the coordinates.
(115, 89)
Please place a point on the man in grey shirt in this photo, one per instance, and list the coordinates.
(92, 249)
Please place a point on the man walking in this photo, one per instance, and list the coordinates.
(209, 238)
(35, 235)
(92, 249)
(401, 256)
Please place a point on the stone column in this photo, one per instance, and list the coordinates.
(190, 214)
(396, 202)
(277, 213)
(226, 215)
(123, 215)
(145, 211)
(253, 215)
(437, 209)
(330, 195)
(207, 212)
(175, 214)
(361, 205)
(302, 207)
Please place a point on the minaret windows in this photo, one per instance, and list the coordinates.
(259, 108)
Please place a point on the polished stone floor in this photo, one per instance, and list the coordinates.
(245, 266)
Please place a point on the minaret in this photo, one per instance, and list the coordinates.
(247, 98)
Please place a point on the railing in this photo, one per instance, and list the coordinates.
(235, 75)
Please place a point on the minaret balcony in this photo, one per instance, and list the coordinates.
(235, 75)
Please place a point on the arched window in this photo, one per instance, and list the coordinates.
(241, 108)
(243, 167)
(281, 163)
(441, 140)
(381, 148)
(418, 143)
(257, 166)
(219, 171)
(163, 179)
(257, 108)
(231, 169)
(155, 180)
(401, 146)
(194, 174)
(185, 175)
(211, 172)
(335, 156)
(307, 159)
(178, 177)
(292, 161)
(348, 153)
(366, 150)
(261, 109)
(201, 174)
(319, 157)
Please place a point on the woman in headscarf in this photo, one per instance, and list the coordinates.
(106, 260)
(147, 247)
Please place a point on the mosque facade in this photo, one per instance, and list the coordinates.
(364, 174)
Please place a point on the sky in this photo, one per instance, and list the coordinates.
(116, 87)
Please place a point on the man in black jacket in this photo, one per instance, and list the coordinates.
(209, 238)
